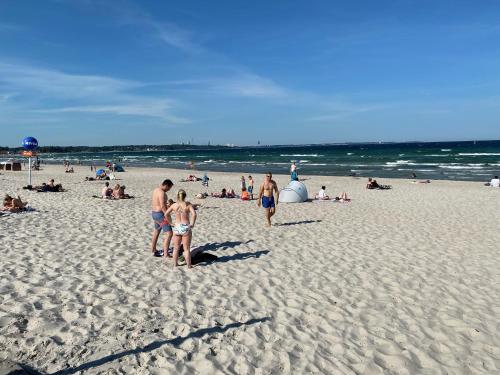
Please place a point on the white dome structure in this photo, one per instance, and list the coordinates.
(294, 192)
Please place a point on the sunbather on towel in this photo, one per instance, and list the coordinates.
(13, 204)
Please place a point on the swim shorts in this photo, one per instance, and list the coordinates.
(182, 229)
(159, 219)
(268, 202)
(250, 189)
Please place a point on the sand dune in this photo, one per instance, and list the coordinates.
(405, 281)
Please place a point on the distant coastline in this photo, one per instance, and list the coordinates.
(197, 147)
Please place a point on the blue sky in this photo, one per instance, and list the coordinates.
(91, 72)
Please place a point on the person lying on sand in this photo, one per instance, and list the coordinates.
(225, 193)
(11, 204)
(222, 194)
(191, 178)
(185, 218)
(43, 188)
(373, 184)
(343, 198)
(421, 182)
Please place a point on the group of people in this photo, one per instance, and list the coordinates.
(118, 192)
(322, 196)
(179, 230)
(51, 186)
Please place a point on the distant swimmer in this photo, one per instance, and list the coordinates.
(266, 197)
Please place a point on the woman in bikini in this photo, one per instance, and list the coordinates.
(185, 217)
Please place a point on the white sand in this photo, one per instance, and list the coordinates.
(405, 281)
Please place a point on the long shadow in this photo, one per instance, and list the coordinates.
(223, 245)
(158, 344)
(299, 223)
(241, 256)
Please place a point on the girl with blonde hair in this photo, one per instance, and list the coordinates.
(185, 217)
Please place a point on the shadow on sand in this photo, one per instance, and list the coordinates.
(153, 346)
(223, 245)
(298, 223)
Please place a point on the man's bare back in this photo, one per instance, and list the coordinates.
(158, 201)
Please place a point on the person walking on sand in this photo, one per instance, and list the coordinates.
(266, 197)
(185, 218)
(158, 213)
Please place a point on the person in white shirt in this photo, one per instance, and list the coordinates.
(495, 182)
(322, 194)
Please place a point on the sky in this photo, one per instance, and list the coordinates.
(92, 72)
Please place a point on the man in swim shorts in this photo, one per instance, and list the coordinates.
(158, 210)
(266, 197)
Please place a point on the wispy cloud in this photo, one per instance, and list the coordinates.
(56, 83)
(152, 108)
(341, 111)
(128, 14)
(242, 84)
(51, 91)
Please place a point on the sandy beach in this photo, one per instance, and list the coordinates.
(403, 281)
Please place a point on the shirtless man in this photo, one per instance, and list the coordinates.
(158, 210)
(266, 197)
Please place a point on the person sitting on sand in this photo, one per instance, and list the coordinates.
(13, 204)
(322, 194)
(107, 192)
(495, 182)
(116, 192)
(185, 218)
(245, 195)
(122, 194)
(372, 184)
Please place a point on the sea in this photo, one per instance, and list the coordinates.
(473, 161)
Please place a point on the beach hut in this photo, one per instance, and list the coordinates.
(11, 165)
(294, 192)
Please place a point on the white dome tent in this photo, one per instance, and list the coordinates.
(294, 192)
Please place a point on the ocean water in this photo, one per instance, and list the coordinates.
(476, 161)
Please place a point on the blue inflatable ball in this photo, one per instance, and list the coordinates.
(30, 143)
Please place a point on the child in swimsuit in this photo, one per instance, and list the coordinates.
(185, 217)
